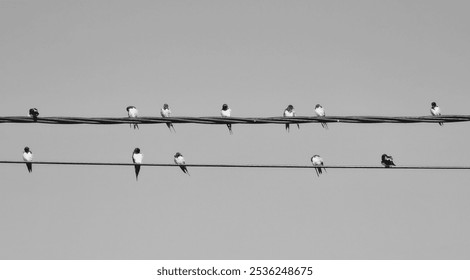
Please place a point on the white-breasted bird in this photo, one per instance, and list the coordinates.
(165, 112)
(137, 158)
(179, 160)
(320, 112)
(436, 111)
(387, 161)
(289, 112)
(34, 113)
(318, 162)
(226, 113)
(132, 112)
(28, 158)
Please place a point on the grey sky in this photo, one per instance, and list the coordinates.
(94, 58)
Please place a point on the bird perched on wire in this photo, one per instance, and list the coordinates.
(290, 113)
(137, 158)
(166, 113)
(436, 111)
(34, 113)
(226, 112)
(179, 160)
(132, 112)
(318, 162)
(28, 158)
(320, 112)
(387, 161)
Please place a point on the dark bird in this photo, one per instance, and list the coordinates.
(28, 158)
(436, 111)
(387, 161)
(137, 160)
(179, 160)
(132, 112)
(166, 113)
(290, 113)
(320, 112)
(226, 112)
(318, 162)
(34, 113)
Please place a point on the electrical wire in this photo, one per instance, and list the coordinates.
(235, 120)
(239, 165)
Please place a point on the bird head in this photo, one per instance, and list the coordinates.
(34, 112)
(225, 107)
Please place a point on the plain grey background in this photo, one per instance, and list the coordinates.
(94, 58)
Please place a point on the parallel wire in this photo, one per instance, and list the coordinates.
(234, 120)
(237, 165)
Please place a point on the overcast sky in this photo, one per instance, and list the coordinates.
(94, 58)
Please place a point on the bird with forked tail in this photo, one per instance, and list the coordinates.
(137, 158)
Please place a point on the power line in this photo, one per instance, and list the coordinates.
(234, 120)
(239, 165)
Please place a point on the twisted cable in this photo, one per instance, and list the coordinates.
(235, 120)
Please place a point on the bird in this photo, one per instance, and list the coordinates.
(387, 161)
(34, 113)
(133, 113)
(226, 112)
(319, 111)
(166, 113)
(28, 158)
(318, 161)
(137, 160)
(290, 112)
(179, 160)
(436, 111)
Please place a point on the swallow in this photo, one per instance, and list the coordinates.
(34, 113)
(137, 160)
(289, 112)
(319, 111)
(387, 161)
(132, 112)
(436, 111)
(226, 112)
(179, 160)
(166, 113)
(318, 161)
(28, 158)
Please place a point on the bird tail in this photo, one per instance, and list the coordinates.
(185, 170)
(287, 127)
(298, 126)
(170, 126)
(230, 128)
(441, 124)
(316, 170)
(137, 170)
(136, 126)
(29, 165)
(324, 125)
